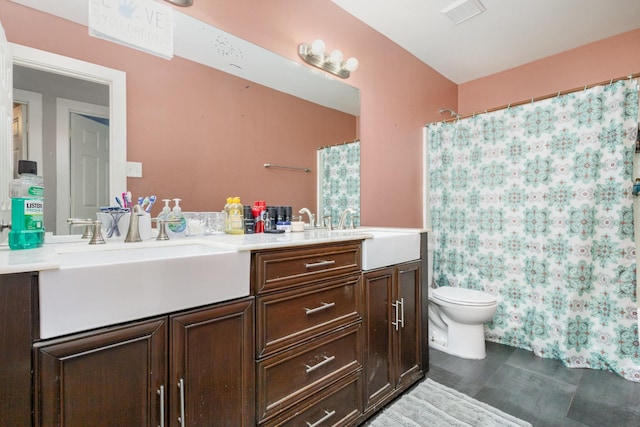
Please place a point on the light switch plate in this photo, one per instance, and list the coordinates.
(134, 169)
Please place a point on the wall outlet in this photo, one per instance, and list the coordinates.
(134, 169)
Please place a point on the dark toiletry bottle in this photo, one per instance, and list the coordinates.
(249, 222)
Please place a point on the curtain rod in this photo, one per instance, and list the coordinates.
(337, 145)
(540, 98)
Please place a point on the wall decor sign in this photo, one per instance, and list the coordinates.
(141, 24)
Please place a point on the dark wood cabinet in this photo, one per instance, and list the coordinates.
(392, 322)
(309, 335)
(198, 373)
(18, 323)
(212, 375)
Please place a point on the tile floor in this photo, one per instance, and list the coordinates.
(541, 391)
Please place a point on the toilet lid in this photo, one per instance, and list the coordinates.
(463, 296)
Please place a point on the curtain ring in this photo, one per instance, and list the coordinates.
(585, 88)
(610, 82)
(559, 93)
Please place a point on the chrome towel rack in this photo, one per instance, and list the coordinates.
(271, 165)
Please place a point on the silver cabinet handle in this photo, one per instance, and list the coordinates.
(181, 417)
(396, 323)
(401, 302)
(317, 365)
(320, 263)
(161, 393)
(323, 419)
(324, 306)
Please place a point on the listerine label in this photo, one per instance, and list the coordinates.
(33, 213)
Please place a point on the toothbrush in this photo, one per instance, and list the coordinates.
(124, 200)
(118, 201)
(152, 200)
(129, 198)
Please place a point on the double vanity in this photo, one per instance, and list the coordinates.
(313, 328)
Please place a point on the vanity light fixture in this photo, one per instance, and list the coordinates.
(181, 2)
(315, 55)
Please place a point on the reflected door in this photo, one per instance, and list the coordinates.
(89, 165)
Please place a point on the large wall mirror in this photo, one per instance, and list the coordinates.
(193, 40)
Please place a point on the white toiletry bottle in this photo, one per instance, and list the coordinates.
(178, 228)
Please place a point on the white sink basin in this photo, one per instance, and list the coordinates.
(108, 284)
(387, 246)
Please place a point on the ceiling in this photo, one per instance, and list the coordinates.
(507, 34)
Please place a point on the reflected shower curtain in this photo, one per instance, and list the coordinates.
(340, 187)
(533, 204)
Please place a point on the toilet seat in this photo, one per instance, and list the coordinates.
(470, 297)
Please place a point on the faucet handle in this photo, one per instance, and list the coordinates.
(162, 227)
(92, 229)
(327, 224)
(352, 221)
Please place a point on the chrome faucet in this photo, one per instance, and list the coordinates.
(92, 230)
(312, 217)
(343, 218)
(133, 233)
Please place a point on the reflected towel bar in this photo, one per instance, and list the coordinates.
(270, 165)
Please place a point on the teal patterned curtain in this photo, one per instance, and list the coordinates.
(340, 180)
(533, 204)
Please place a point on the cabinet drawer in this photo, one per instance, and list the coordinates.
(338, 405)
(286, 318)
(289, 377)
(291, 267)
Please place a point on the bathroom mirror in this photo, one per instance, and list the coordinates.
(193, 41)
(79, 73)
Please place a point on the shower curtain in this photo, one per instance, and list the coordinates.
(533, 205)
(340, 185)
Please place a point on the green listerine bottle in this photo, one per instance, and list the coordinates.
(27, 207)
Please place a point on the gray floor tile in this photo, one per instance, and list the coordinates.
(541, 391)
(528, 395)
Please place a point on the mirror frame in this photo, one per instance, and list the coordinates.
(115, 80)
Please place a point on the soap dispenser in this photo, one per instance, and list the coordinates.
(179, 227)
(166, 210)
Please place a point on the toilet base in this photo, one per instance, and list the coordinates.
(470, 343)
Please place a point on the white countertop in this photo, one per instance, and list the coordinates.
(47, 257)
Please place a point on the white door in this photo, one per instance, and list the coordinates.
(20, 149)
(89, 165)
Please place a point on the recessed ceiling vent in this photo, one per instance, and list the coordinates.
(463, 10)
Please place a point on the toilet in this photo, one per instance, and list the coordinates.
(456, 320)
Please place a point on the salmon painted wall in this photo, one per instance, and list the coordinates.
(592, 63)
(201, 134)
(399, 94)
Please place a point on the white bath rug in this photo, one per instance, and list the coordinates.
(434, 405)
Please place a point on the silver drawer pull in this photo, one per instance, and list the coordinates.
(181, 417)
(320, 264)
(318, 365)
(323, 419)
(396, 305)
(161, 394)
(324, 306)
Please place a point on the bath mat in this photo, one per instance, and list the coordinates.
(434, 405)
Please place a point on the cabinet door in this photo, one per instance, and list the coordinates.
(18, 292)
(379, 335)
(112, 378)
(212, 375)
(409, 351)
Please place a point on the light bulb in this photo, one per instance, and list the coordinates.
(351, 64)
(317, 47)
(336, 56)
